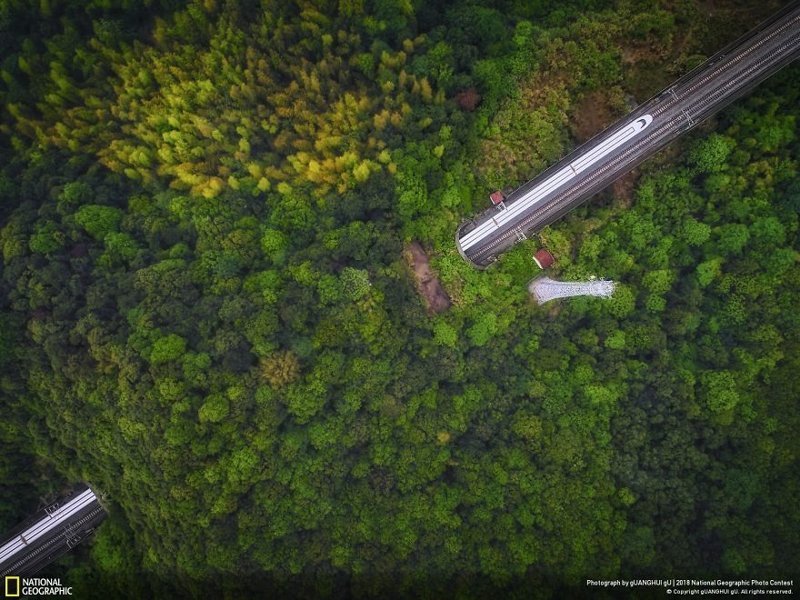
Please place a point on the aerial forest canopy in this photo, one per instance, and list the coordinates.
(207, 311)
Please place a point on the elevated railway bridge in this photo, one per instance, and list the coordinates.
(51, 532)
(696, 96)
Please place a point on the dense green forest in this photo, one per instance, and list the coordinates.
(206, 311)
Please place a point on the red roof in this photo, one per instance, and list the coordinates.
(543, 258)
(497, 197)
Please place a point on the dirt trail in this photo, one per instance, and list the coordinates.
(428, 283)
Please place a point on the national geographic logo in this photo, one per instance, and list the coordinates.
(12, 587)
(29, 587)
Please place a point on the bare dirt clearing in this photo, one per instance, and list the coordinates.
(428, 284)
(592, 114)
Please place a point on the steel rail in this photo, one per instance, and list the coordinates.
(45, 525)
(678, 96)
(714, 99)
(22, 562)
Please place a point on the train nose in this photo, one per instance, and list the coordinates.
(643, 122)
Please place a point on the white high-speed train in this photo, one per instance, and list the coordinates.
(555, 181)
(50, 533)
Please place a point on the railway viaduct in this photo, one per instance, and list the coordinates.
(50, 533)
(717, 82)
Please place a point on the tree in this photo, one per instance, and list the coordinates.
(97, 220)
(47, 239)
(280, 369)
(711, 153)
(445, 334)
(695, 233)
(731, 238)
(718, 389)
(167, 348)
(214, 409)
(355, 282)
(483, 329)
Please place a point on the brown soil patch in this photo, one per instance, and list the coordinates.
(633, 53)
(592, 114)
(624, 187)
(428, 284)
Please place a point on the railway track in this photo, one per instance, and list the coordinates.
(696, 96)
(50, 533)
